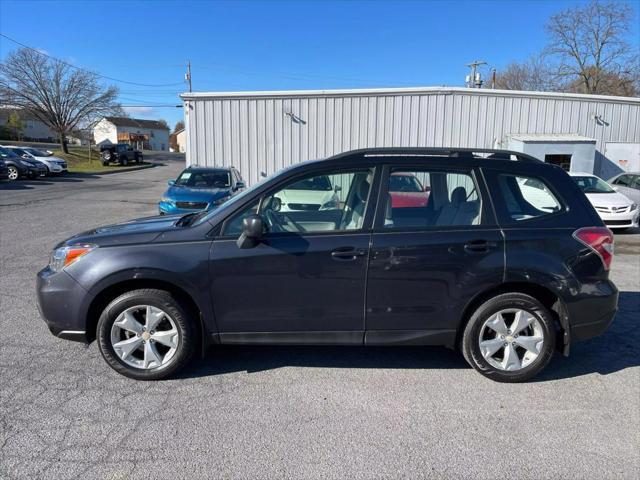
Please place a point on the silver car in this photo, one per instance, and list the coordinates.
(627, 184)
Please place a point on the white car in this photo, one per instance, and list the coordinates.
(615, 209)
(316, 193)
(53, 164)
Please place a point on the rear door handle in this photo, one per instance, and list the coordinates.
(348, 253)
(479, 246)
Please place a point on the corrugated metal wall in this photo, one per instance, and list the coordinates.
(265, 132)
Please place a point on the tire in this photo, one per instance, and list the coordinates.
(13, 173)
(106, 156)
(502, 366)
(105, 164)
(174, 317)
(124, 161)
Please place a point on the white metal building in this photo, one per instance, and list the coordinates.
(266, 131)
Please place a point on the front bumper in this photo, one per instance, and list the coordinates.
(621, 220)
(61, 302)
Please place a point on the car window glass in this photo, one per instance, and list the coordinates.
(623, 180)
(527, 197)
(431, 199)
(233, 226)
(316, 203)
(203, 179)
(636, 182)
(591, 184)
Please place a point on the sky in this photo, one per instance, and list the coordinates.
(269, 45)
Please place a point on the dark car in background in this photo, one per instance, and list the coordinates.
(200, 188)
(479, 267)
(121, 153)
(19, 168)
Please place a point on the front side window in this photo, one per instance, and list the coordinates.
(526, 197)
(312, 204)
(431, 198)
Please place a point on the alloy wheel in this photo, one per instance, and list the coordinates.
(511, 339)
(13, 173)
(145, 337)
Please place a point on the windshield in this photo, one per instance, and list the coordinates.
(404, 183)
(204, 179)
(36, 153)
(589, 184)
(321, 183)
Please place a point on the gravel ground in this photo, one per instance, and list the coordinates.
(312, 412)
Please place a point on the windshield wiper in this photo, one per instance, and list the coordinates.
(189, 218)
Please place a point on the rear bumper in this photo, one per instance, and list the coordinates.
(593, 311)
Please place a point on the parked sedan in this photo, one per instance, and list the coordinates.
(628, 184)
(615, 209)
(21, 167)
(200, 188)
(53, 164)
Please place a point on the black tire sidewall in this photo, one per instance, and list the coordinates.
(471, 346)
(156, 298)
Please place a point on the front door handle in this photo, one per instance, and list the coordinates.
(347, 253)
(479, 246)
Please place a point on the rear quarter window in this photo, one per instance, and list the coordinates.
(524, 198)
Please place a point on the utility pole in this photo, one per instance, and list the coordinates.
(187, 76)
(475, 80)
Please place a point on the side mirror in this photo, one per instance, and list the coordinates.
(337, 188)
(24, 155)
(252, 230)
(240, 185)
(171, 183)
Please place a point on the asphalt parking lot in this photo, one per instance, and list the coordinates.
(312, 412)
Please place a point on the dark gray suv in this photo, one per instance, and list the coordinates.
(496, 254)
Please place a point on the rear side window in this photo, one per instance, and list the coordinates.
(431, 198)
(527, 197)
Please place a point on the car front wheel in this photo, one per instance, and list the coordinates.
(146, 335)
(510, 338)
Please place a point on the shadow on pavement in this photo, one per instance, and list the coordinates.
(617, 349)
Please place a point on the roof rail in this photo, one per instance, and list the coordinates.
(453, 152)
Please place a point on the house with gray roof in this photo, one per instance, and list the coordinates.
(139, 133)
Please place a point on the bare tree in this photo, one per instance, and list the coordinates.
(530, 75)
(179, 126)
(61, 96)
(587, 44)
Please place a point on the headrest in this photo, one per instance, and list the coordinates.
(458, 196)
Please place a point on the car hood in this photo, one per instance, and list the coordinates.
(188, 194)
(608, 199)
(141, 230)
(50, 159)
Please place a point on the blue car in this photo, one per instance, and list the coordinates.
(200, 188)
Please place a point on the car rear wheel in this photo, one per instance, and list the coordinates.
(510, 338)
(146, 335)
(124, 161)
(13, 173)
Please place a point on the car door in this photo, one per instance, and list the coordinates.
(305, 280)
(428, 261)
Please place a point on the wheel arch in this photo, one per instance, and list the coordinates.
(107, 294)
(543, 294)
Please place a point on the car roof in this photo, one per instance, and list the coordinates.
(202, 168)
(582, 174)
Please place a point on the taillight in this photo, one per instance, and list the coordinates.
(598, 239)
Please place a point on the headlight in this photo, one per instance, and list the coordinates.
(166, 200)
(64, 256)
(634, 206)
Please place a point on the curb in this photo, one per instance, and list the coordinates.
(120, 170)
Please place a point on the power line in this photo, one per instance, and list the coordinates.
(152, 106)
(86, 70)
